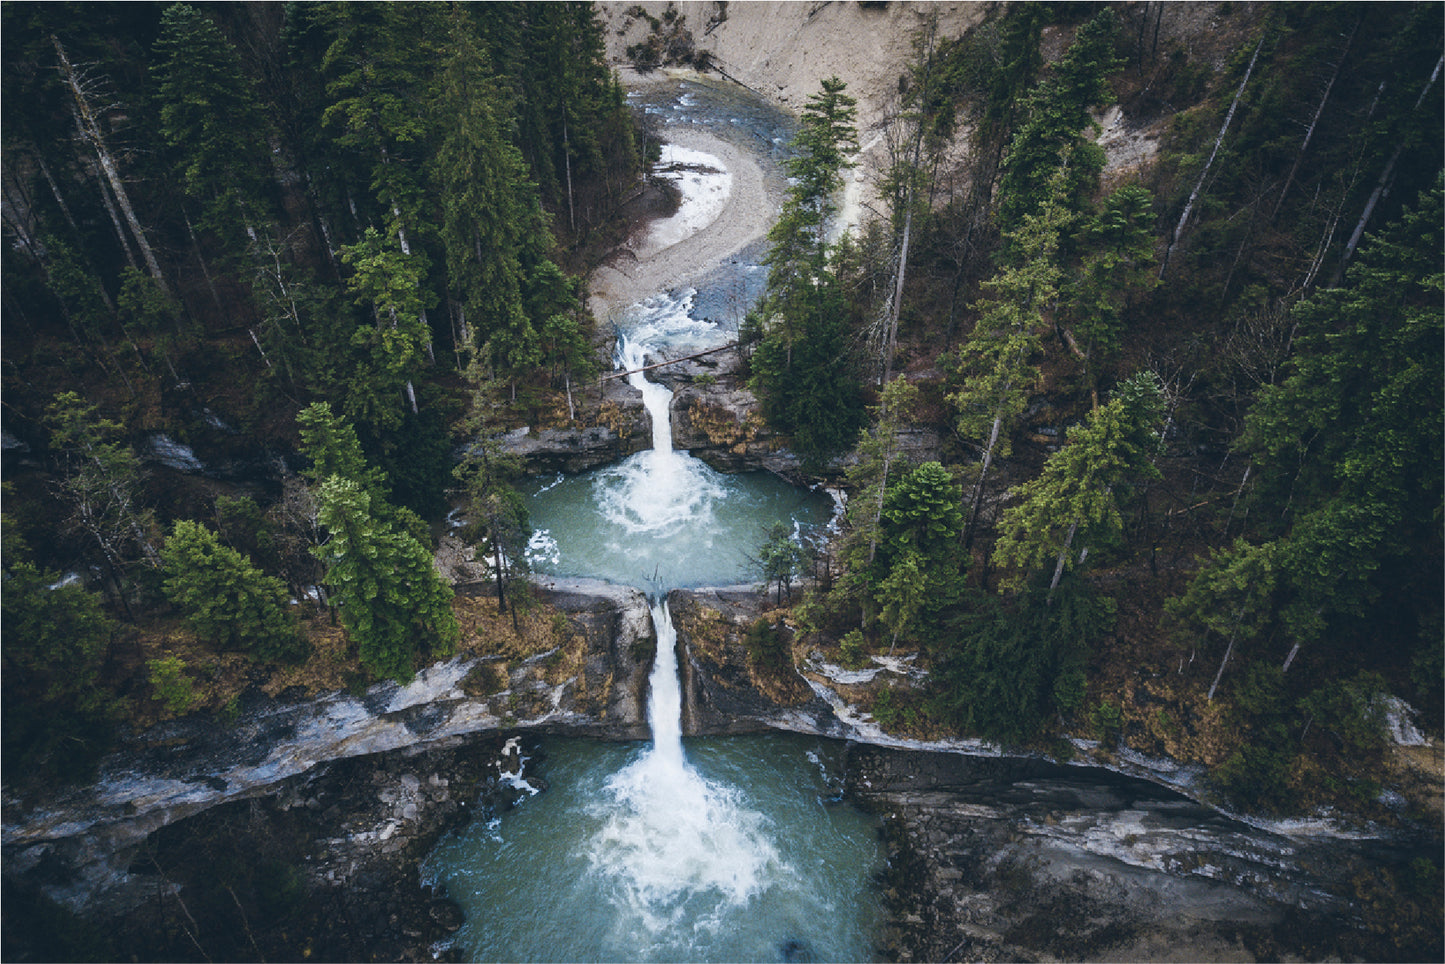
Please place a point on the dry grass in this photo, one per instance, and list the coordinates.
(220, 678)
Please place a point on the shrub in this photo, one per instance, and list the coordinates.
(172, 686)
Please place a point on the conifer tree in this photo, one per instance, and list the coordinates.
(389, 283)
(801, 371)
(997, 362)
(918, 570)
(1082, 483)
(393, 602)
(1054, 117)
(226, 599)
(1349, 459)
(211, 120)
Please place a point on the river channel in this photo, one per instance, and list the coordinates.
(724, 849)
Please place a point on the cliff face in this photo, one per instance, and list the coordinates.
(783, 50)
(593, 684)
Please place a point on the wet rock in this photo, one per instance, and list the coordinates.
(724, 689)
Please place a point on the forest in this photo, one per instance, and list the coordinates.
(1189, 491)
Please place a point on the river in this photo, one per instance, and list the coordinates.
(726, 849)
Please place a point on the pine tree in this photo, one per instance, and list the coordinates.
(226, 599)
(482, 182)
(1055, 115)
(394, 604)
(211, 120)
(997, 362)
(58, 718)
(1083, 483)
(1116, 249)
(1349, 460)
(918, 570)
(391, 352)
(801, 371)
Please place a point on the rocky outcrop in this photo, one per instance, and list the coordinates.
(324, 866)
(617, 425)
(730, 687)
(1006, 859)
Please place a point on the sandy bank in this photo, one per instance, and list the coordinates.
(641, 269)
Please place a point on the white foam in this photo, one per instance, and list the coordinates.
(705, 185)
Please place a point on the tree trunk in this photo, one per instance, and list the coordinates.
(978, 487)
(567, 161)
(1199, 185)
(891, 341)
(1063, 557)
(1382, 187)
(1319, 109)
(90, 130)
(120, 234)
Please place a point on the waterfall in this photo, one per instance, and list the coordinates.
(664, 702)
(657, 399)
(673, 844)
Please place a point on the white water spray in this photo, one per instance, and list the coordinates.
(672, 844)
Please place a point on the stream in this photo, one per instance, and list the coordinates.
(724, 849)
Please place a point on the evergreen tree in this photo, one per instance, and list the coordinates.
(100, 476)
(226, 599)
(1349, 461)
(1009, 665)
(333, 448)
(58, 718)
(392, 351)
(1055, 115)
(482, 183)
(997, 363)
(801, 372)
(918, 571)
(394, 604)
(1117, 257)
(1082, 483)
(211, 120)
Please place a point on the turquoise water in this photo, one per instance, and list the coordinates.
(749, 861)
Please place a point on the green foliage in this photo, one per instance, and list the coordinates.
(226, 599)
(211, 119)
(1298, 739)
(392, 351)
(801, 371)
(767, 648)
(171, 684)
(782, 559)
(1350, 461)
(100, 476)
(1053, 120)
(1106, 718)
(58, 717)
(1008, 667)
(805, 381)
(997, 362)
(1082, 484)
(333, 448)
(853, 649)
(1116, 248)
(393, 602)
(918, 570)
